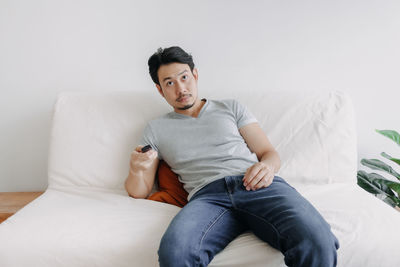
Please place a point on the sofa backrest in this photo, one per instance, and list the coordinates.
(93, 135)
(313, 132)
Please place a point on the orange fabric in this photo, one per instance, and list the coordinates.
(170, 189)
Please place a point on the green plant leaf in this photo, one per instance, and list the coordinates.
(395, 187)
(395, 136)
(388, 200)
(377, 164)
(377, 185)
(383, 154)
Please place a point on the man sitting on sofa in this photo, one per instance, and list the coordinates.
(227, 165)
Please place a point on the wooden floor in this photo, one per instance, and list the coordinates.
(11, 202)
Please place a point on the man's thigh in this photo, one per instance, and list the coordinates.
(200, 230)
(278, 214)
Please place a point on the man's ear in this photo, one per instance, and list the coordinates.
(160, 90)
(195, 73)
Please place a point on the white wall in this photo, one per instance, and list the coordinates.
(48, 46)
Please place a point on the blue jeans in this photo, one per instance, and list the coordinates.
(224, 209)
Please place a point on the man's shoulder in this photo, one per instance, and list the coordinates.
(227, 100)
(161, 118)
(229, 103)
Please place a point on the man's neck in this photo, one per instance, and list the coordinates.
(194, 111)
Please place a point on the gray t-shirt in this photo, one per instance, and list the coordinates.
(203, 149)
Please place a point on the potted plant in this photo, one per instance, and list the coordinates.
(387, 190)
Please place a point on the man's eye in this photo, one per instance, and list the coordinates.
(184, 77)
(170, 83)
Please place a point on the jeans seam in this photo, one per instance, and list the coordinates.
(205, 233)
(231, 198)
(269, 223)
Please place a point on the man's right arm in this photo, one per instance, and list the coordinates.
(142, 172)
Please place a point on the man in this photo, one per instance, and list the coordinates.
(227, 165)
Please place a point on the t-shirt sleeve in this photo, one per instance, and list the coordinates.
(148, 138)
(242, 114)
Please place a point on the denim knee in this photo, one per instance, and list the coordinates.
(175, 250)
(317, 249)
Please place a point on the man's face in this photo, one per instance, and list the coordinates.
(178, 85)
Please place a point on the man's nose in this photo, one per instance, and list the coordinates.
(180, 87)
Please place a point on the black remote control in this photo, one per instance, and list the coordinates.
(146, 148)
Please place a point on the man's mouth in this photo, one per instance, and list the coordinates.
(183, 98)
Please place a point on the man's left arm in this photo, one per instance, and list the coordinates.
(261, 173)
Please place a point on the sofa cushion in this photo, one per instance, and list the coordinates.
(93, 135)
(170, 189)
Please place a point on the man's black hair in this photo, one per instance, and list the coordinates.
(173, 54)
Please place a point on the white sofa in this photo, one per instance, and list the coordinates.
(85, 217)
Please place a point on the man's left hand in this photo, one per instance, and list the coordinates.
(258, 176)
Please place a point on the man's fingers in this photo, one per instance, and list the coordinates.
(138, 148)
(256, 179)
(267, 181)
(257, 176)
(142, 161)
(152, 154)
(139, 156)
(250, 174)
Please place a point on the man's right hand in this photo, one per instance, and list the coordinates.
(142, 161)
(143, 168)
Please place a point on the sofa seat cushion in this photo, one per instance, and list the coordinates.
(86, 228)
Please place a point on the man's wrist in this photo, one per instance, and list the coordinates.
(270, 166)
